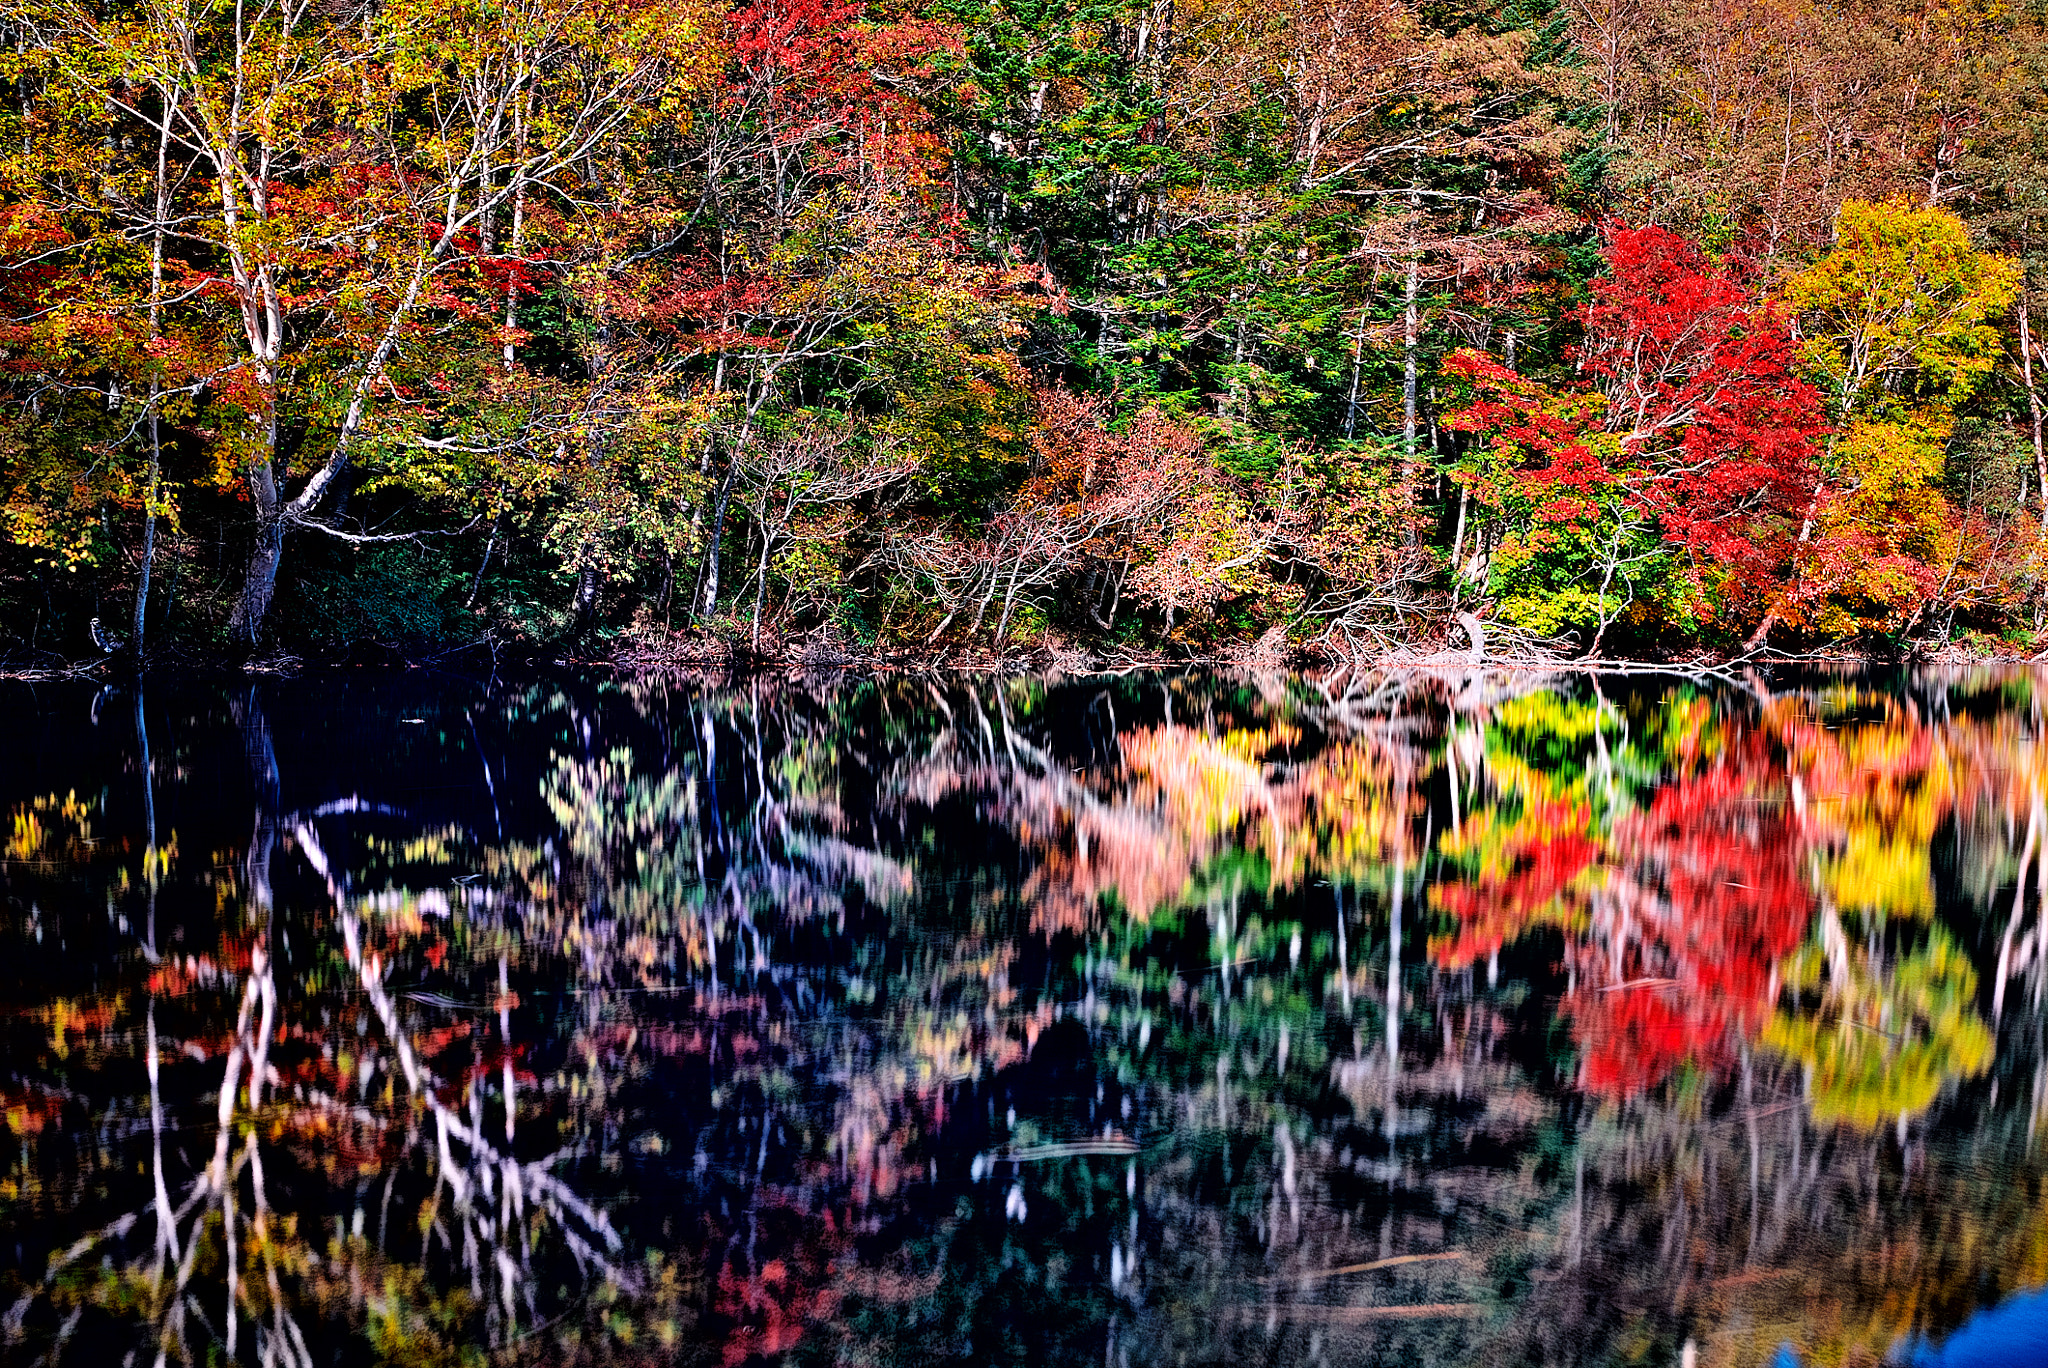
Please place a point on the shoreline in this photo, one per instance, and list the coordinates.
(679, 655)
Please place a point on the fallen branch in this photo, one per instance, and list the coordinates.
(1395, 1262)
(1312, 1311)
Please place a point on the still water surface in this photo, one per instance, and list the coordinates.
(1116, 1020)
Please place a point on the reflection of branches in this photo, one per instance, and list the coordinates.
(484, 1172)
(181, 1234)
(680, 910)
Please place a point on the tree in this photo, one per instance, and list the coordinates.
(1678, 464)
(1897, 328)
(1753, 121)
(339, 172)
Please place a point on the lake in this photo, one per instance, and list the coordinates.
(1115, 1019)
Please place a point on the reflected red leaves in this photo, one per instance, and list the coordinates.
(1682, 903)
(1678, 846)
(773, 1304)
(1710, 891)
(1705, 890)
(1518, 883)
(176, 977)
(30, 1108)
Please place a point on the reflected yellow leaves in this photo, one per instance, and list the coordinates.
(1727, 876)
(1885, 1031)
(1879, 1007)
(52, 832)
(788, 961)
(1871, 792)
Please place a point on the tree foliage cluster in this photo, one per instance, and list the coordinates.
(999, 322)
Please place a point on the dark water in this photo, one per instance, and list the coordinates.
(1118, 1020)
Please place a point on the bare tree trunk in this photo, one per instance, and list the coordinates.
(1357, 365)
(1606, 581)
(584, 607)
(149, 520)
(1475, 631)
(995, 578)
(263, 327)
(259, 583)
(713, 535)
(761, 581)
(1009, 602)
(1411, 329)
(2034, 407)
(517, 239)
(1806, 525)
(156, 384)
(1762, 632)
(1458, 547)
(271, 511)
(1411, 339)
(490, 545)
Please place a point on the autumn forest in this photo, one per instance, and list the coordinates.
(1327, 328)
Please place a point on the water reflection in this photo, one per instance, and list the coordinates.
(1125, 1019)
(2013, 1332)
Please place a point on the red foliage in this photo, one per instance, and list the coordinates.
(820, 75)
(1691, 405)
(1700, 382)
(1548, 850)
(1518, 412)
(1680, 968)
(800, 38)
